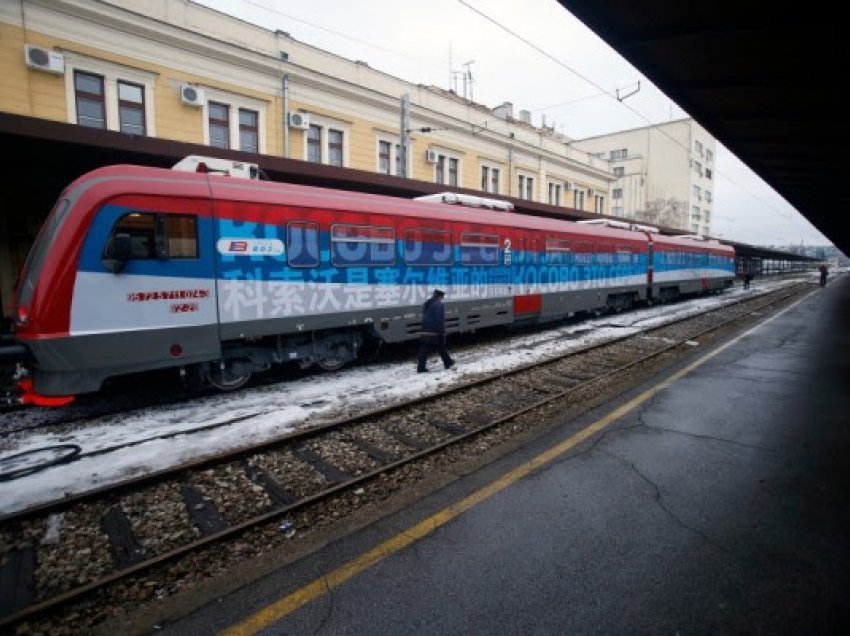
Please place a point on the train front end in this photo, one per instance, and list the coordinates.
(37, 312)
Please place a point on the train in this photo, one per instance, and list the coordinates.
(206, 268)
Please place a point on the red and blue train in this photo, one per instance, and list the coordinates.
(142, 268)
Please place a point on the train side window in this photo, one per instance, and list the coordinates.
(558, 251)
(479, 249)
(623, 255)
(353, 245)
(302, 244)
(423, 246)
(583, 254)
(181, 236)
(157, 236)
(141, 230)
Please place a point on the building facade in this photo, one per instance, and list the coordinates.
(176, 70)
(664, 174)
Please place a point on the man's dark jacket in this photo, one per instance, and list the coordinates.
(433, 318)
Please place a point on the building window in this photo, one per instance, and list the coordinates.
(91, 108)
(698, 167)
(619, 155)
(708, 173)
(387, 163)
(708, 196)
(695, 212)
(453, 165)
(314, 144)
(219, 120)
(617, 210)
(698, 147)
(599, 204)
(489, 179)
(617, 193)
(249, 136)
(384, 151)
(446, 170)
(335, 147)
(579, 199)
(697, 193)
(105, 95)
(709, 156)
(619, 171)
(131, 108)
(526, 187)
(554, 194)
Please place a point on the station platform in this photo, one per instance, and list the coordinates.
(714, 499)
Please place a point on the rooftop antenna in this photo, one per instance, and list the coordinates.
(467, 77)
(452, 81)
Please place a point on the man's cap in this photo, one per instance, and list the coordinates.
(439, 292)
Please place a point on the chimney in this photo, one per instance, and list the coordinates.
(525, 116)
(505, 111)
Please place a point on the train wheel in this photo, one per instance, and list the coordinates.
(332, 364)
(224, 379)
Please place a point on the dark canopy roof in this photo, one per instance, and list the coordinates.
(763, 78)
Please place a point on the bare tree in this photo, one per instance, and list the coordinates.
(668, 212)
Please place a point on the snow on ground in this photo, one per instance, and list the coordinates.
(272, 411)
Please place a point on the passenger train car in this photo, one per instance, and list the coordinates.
(142, 268)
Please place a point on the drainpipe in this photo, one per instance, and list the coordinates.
(285, 116)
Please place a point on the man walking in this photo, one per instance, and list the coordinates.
(433, 335)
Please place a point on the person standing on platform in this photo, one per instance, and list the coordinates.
(433, 335)
(823, 273)
(748, 277)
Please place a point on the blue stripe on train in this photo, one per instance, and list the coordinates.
(465, 268)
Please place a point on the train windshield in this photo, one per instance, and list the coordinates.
(41, 247)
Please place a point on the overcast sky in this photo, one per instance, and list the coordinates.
(550, 65)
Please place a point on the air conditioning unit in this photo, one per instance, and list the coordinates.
(192, 95)
(44, 59)
(432, 156)
(299, 120)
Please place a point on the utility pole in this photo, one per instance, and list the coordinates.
(404, 135)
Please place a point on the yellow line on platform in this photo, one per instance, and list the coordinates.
(288, 604)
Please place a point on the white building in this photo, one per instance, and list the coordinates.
(664, 173)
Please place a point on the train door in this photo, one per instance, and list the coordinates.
(527, 298)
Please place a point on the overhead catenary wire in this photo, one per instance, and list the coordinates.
(604, 91)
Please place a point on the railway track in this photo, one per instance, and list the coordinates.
(65, 552)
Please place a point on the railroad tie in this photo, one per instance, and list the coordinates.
(202, 512)
(333, 474)
(278, 493)
(17, 581)
(454, 429)
(126, 549)
(378, 454)
(412, 442)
